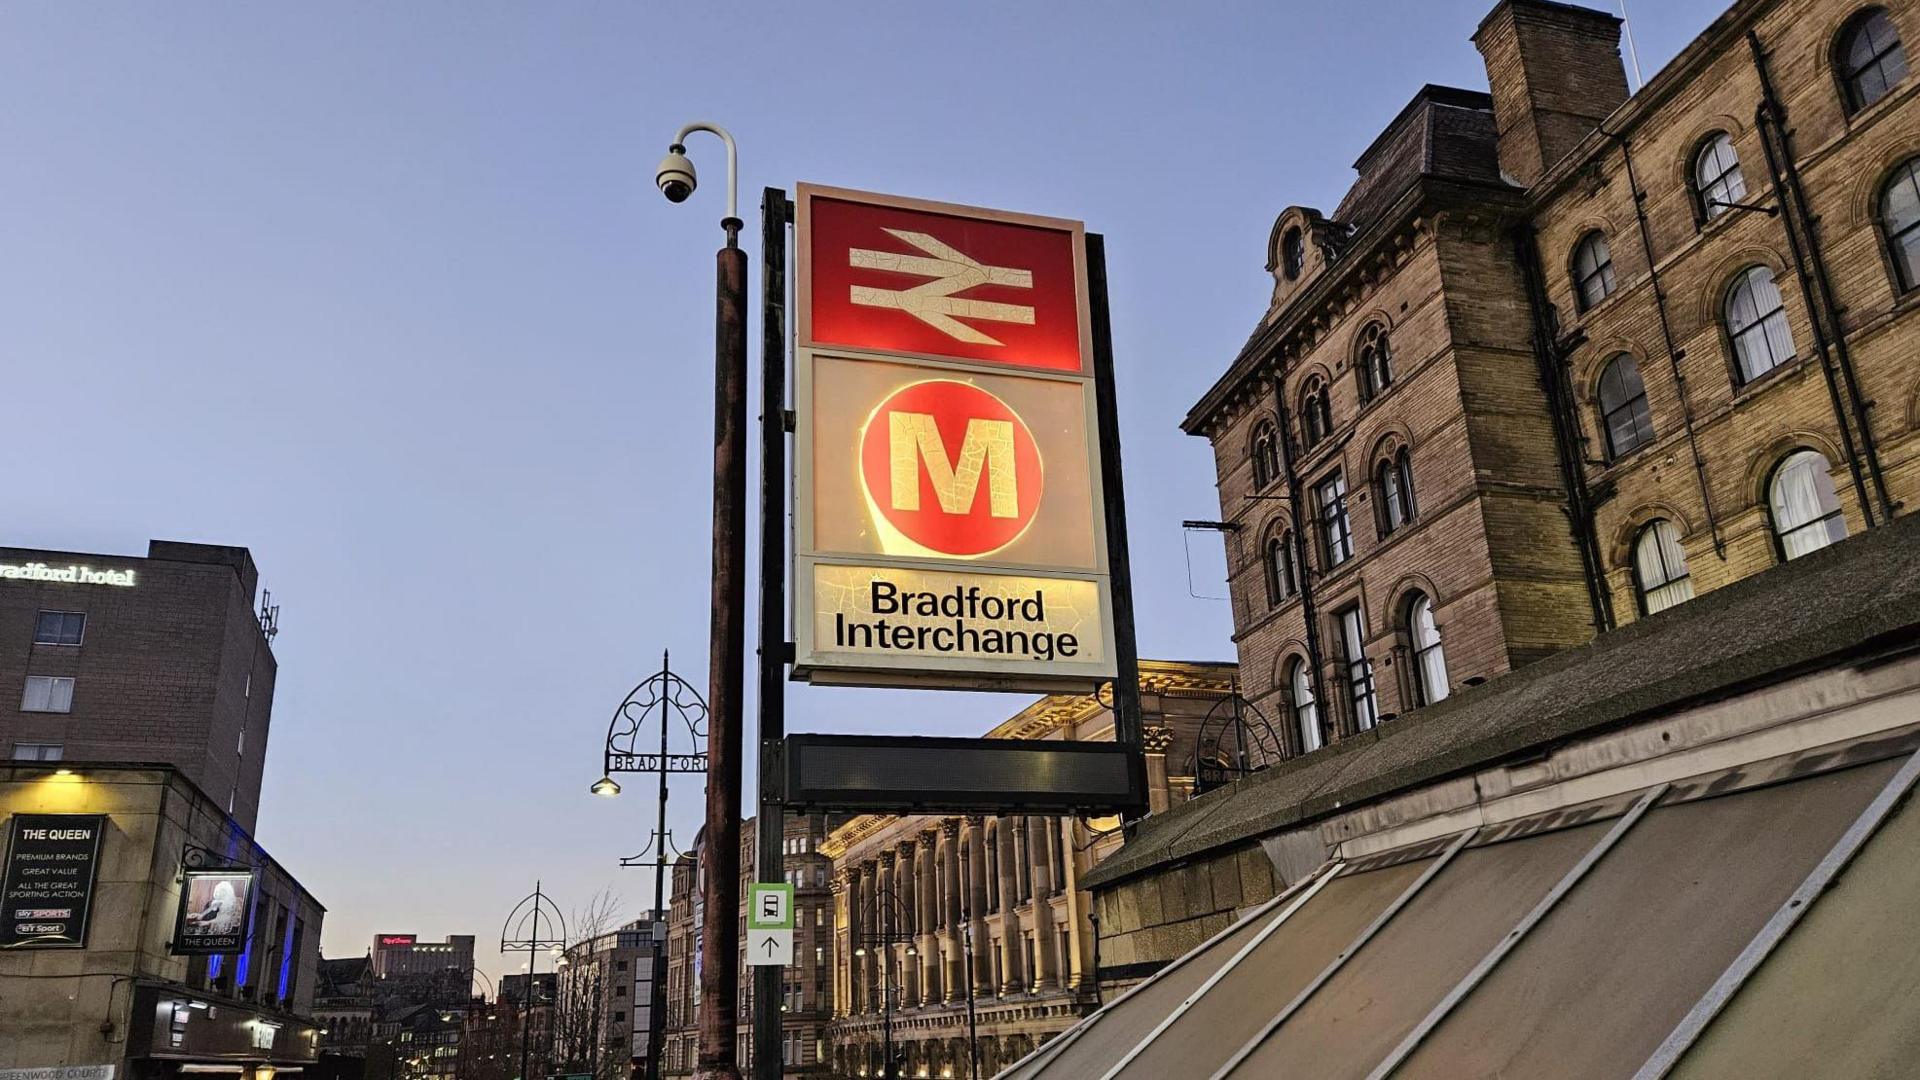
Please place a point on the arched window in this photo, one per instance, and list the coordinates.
(1316, 412)
(1623, 406)
(1717, 179)
(1592, 270)
(1266, 454)
(1870, 58)
(1806, 513)
(1376, 360)
(1306, 711)
(1429, 659)
(1660, 567)
(1277, 562)
(1900, 221)
(1293, 253)
(1393, 491)
(1757, 324)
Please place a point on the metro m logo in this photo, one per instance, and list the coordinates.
(914, 438)
(949, 469)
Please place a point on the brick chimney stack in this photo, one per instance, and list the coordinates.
(1555, 72)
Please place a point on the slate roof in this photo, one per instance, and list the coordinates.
(1858, 597)
(1445, 135)
(1444, 132)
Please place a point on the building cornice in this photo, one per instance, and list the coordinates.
(1316, 310)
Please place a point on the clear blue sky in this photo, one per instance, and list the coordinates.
(385, 293)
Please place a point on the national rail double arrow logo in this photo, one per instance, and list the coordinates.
(933, 302)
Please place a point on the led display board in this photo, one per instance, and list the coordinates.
(949, 512)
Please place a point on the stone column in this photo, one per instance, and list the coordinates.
(1040, 832)
(842, 951)
(886, 927)
(909, 924)
(856, 925)
(928, 895)
(869, 968)
(1158, 739)
(950, 913)
(1013, 949)
(982, 972)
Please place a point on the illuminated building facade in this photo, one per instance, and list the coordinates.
(119, 998)
(931, 913)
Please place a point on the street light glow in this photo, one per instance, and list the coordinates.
(606, 787)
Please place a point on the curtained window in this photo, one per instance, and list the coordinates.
(1660, 567)
(1806, 512)
(1757, 324)
(1429, 659)
(1306, 712)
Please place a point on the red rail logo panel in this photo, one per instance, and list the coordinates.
(902, 280)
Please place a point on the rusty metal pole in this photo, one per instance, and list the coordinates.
(720, 925)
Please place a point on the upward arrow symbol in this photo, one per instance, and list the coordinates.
(770, 946)
(933, 302)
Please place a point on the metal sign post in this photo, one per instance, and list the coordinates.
(958, 516)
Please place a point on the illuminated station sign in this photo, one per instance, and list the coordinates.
(949, 522)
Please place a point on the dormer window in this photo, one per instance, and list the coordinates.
(1293, 253)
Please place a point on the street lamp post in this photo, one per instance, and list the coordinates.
(527, 920)
(672, 698)
(889, 905)
(720, 930)
(973, 1022)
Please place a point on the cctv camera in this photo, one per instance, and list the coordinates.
(675, 174)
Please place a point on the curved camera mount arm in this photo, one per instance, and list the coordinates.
(733, 161)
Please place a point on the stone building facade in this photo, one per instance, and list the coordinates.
(1565, 357)
(937, 915)
(126, 998)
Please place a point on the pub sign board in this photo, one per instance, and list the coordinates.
(46, 894)
(949, 510)
(214, 910)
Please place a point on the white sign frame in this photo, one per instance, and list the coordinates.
(811, 663)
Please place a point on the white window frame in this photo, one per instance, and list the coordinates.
(55, 694)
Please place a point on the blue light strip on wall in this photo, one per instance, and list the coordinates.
(286, 955)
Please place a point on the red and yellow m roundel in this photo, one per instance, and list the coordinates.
(950, 468)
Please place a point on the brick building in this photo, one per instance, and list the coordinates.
(807, 1004)
(1564, 357)
(119, 658)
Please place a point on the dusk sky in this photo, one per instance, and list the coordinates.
(385, 293)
